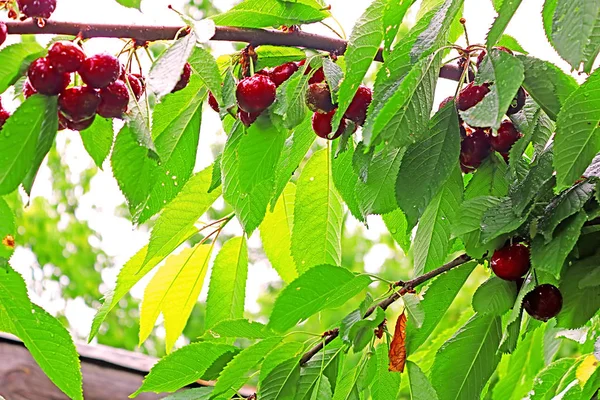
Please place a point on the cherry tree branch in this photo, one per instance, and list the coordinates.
(150, 33)
(385, 303)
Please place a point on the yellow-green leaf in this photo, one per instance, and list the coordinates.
(173, 292)
(276, 234)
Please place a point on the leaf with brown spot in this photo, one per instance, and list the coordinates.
(397, 352)
(9, 241)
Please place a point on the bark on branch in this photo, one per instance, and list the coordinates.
(385, 303)
(150, 33)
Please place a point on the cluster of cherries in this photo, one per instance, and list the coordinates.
(39, 10)
(105, 90)
(512, 263)
(479, 142)
(258, 92)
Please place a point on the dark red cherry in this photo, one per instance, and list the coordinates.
(37, 8)
(136, 85)
(3, 33)
(511, 262)
(321, 124)
(212, 102)
(283, 72)
(100, 70)
(505, 138)
(114, 100)
(543, 302)
(45, 79)
(518, 102)
(81, 125)
(318, 76)
(79, 103)
(66, 56)
(256, 93)
(4, 116)
(318, 98)
(184, 79)
(446, 101)
(247, 118)
(471, 95)
(474, 149)
(481, 55)
(62, 122)
(357, 111)
(28, 90)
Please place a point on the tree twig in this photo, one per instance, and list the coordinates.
(385, 303)
(150, 33)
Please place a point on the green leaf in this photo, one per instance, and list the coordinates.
(205, 67)
(179, 217)
(547, 380)
(525, 191)
(313, 373)
(8, 227)
(577, 132)
(523, 366)
(44, 336)
(489, 179)
(592, 49)
(511, 43)
(15, 60)
(361, 333)
(294, 151)
(227, 290)
(500, 220)
(251, 206)
(173, 292)
(283, 352)
(290, 103)
(506, 73)
(363, 45)
(386, 384)
(132, 272)
(202, 393)
(573, 22)
(130, 3)
(432, 240)
(166, 70)
(438, 32)
(347, 386)
(398, 227)
(176, 129)
(547, 84)
(420, 387)
(233, 377)
(239, 328)
(505, 14)
(273, 56)
(404, 117)
(272, 13)
(437, 300)
(47, 134)
(318, 239)
(464, 363)
(183, 367)
(467, 223)
(414, 309)
(259, 152)
(394, 13)
(276, 233)
(98, 140)
(579, 304)
(346, 179)
(280, 384)
(495, 296)
(134, 171)
(568, 203)
(321, 287)
(377, 195)
(19, 141)
(550, 256)
(429, 162)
